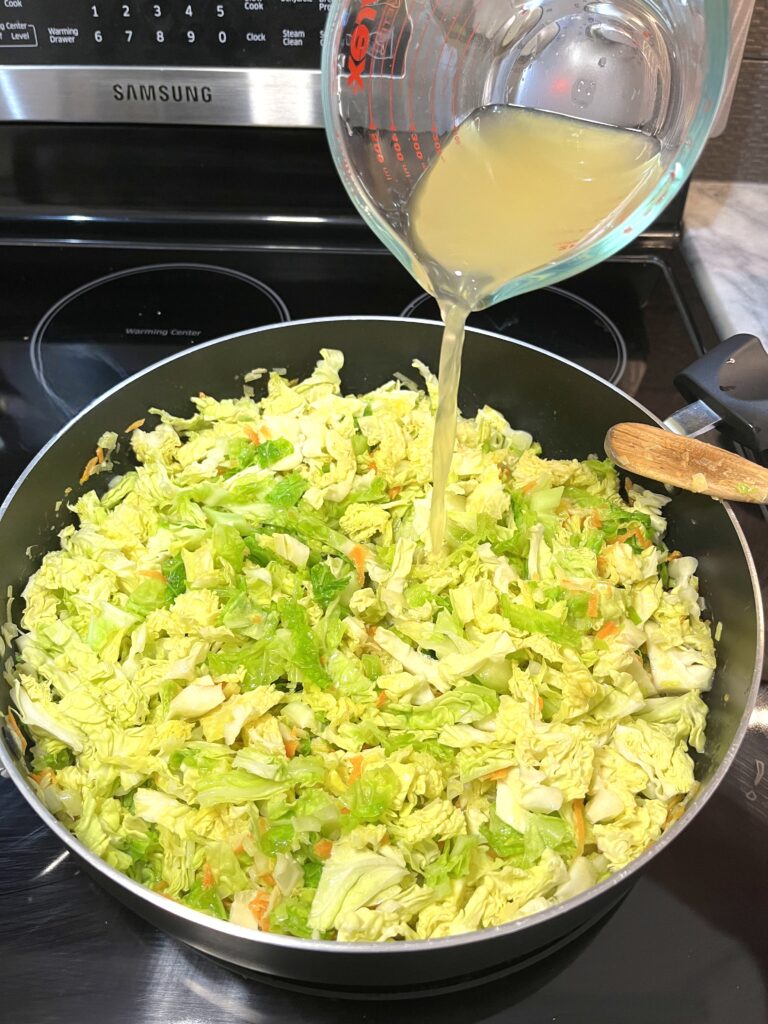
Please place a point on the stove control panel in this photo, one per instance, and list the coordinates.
(184, 61)
(179, 33)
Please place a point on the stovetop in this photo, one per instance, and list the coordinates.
(687, 944)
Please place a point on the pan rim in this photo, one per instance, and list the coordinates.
(330, 947)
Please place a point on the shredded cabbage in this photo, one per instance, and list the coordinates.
(251, 686)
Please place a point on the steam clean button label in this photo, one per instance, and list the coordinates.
(17, 33)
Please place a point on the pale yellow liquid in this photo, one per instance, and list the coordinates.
(513, 191)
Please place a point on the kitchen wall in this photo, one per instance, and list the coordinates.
(741, 152)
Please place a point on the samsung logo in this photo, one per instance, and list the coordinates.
(127, 91)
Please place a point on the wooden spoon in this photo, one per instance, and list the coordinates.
(683, 462)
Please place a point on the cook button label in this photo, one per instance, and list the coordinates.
(17, 33)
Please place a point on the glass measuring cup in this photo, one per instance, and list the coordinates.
(401, 76)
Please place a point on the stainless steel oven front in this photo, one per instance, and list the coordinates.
(233, 62)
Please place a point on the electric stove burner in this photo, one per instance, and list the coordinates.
(553, 319)
(114, 326)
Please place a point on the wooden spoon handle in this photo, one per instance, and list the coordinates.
(683, 462)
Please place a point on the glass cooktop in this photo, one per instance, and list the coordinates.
(74, 322)
(688, 942)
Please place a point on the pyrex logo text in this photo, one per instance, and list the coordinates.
(358, 45)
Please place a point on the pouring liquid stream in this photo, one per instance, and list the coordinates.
(513, 191)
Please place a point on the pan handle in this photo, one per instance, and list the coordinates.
(727, 386)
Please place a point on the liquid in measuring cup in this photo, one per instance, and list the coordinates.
(514, 190)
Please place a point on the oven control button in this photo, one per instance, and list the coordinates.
(16, 33)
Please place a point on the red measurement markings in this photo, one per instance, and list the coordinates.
(378, 150)
(376, 143)
(379, 51)
(443, 48)
(411, 109)
(392, 76)
(397, 147)
(416, 147)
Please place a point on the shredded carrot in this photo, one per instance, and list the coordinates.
(541, 702)
(382, 699)
(268, 879)
(89, 468)
(322, 849)
(370, 629)
(609, 629)
(201, 394)
(13, 725)
(596, 519)
(99, 455)
(673, 555)
(207, 876)
(357, 554)
(578, 824)
(527, 488)
(345, 810)
(136, 425)
(385, 840)
(258, 907)
(373, 466)
(252, 435)
(291, 745)
(266, 433)
(239, 848)
(394, 491)
(153, 574)
(593, 605)
(500, 773)
(256, 618)
(356, 768)
(38, 777)
(259, 903)
(638, 534)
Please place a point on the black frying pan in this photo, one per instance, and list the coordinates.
(568, 410)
